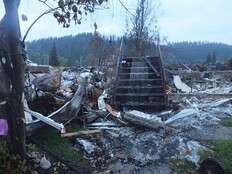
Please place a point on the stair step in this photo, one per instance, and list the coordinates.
(141, 94)
(157, 80)
(138, 69)
(137, 76)
(139, 87)
(139, 59)
(140, 80)
(156, 57)
(137, 73)
(141, 104)
(142, 67)
(134, 66)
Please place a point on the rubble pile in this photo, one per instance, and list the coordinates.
(201, 113)
(140, 147)
(202, 83)
(61, 93)
(133, 141)
(63, 83)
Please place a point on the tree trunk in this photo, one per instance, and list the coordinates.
(15, 69)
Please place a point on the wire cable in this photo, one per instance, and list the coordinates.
(124, 6)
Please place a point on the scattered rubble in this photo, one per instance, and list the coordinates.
(87, 145)
(134, 141)
(101, 102)
(190, 151)
(180, 85)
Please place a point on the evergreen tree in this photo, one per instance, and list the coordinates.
(209, 58)
(53, 56)
(214, 58)
(229, 64)
(74, 48)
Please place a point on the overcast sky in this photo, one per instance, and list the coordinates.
(188, 20)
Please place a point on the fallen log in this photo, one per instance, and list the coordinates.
(81, 133)
(65, 114)
(143, 120)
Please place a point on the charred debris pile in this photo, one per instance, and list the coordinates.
(119, 139)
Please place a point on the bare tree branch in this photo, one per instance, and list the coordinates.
(45, 2)
(67, 11)
(33, 23)
(123, 5)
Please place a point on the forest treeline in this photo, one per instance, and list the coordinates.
(83, 49)
(88, 49)
(194, 52)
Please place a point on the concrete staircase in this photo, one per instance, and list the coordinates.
(140, 84)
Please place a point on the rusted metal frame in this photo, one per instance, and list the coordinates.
(163, 76)
(117, 70)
